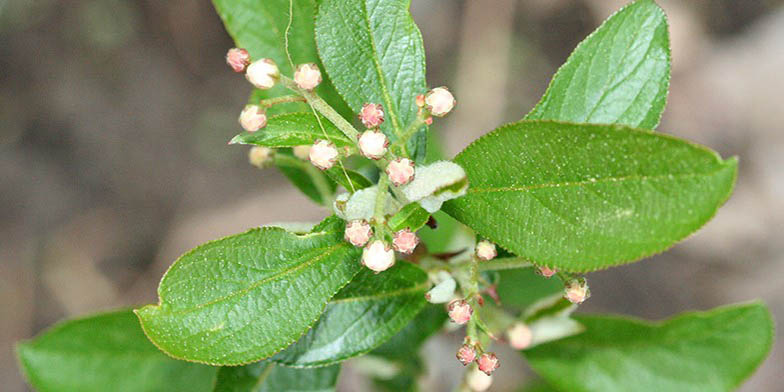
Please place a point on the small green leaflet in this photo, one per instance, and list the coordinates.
(106, 352)
(373, 51)
(412, 216)
(618, 74)
(583, 197)
(362, 316)
(245, 297)
(699, 351)
(269, 377)
(349, 179)
(293, 129)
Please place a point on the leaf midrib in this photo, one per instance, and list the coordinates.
(377, 67)
(395, 293)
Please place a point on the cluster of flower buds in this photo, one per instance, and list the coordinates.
(459, 311)
(485, 250)
(577, 291)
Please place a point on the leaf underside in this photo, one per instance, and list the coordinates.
(269, 377)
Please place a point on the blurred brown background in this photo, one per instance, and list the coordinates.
(114, 117)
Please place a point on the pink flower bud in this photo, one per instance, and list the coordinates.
(253, 118)
(478, 381)
(405, 241)
(301, 152)
(400, 171)
(547, 272)
(378, 256)
(439, 101)
(358, 232)
(466, 354)
(429, 120)
(307, 76)
(262, 73)
(373, 144)
(260, 156)
(420, 100)
(519, 336)
(238, 59)
(488, 362)
(323, 154)
(576, 291)
(485, 250)
(371, 115)
(459, 311)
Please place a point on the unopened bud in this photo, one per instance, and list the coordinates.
(420, 100)
(429, 120)
(405, 241)
(373, 144)
(478, 381)
(577, 291)
(238, 59)
(323, 154)
(378, 256)
(260, 156)
(400, 171)
(466, 354)
(262, 73)
(371, 115)
(253, 118)
(519, 336)
(439, 101)
(442, 292)
(358, 232)
(301, 152)
(547, 272)
(307, 76)
(459, 311)
(485, 250)
(488, 362)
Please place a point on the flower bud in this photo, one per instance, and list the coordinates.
(371, 115)
(262, 73)
(323, 154)
(478, 381)
(260, 156)
(519, 336)
(485, 250)
(358, 232)
(307, 76)
(301, 152)
(253, 118)
(420, 100)
(488, 362)
(429, 120)
(405, 241)
(400, 171)
(466, 354)
(439, 101)
(576, 291)
(373, 144)
(238, 59)
(547, 272)
(459, 311)
(378, 256)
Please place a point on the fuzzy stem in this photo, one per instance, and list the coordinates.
(266, 103)
(323, 107)
(381, 199)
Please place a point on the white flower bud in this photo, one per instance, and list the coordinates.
(253, 118)
(262, 73)
(301, 152)
(373, 144)
(405, 241)
(459, 311)
(323, 154)
(485, 250)
(439, 101)
(576, 291)
(371, 115)
(307, 76)
(519, 336)
(478, 381)
(358, 232)
(238, 59)
(378, 256)
(400, 171)
(260, 156)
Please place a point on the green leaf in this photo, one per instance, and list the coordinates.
(293, 129)
(313, 182)
(699, 351)
(373, 51)
(349, 179)
(362, 316)
(520, 288)
(412, 216)
(409, 340)
(618, 74)
(268, 377)
(245, 297)
(586, 197)
(260, 27)
(106, 352)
